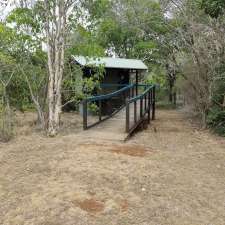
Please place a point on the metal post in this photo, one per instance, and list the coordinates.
(85, 114)
(141, 107)
(136, 82)
(135, 111)
(132, 91)
(100, 110)
(145, 102)
(127, 116)
(153, 104)
(149, 106)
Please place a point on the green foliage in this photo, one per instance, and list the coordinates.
(127, 28)
(216, 120)
(6, 123)
(76, 86)
(84, 43)
(23, 17)
(216, 115)
(93, 108)
(158, 76)
(96, 9)
(7, 70)
(213, 7)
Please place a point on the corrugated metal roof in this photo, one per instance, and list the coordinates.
(111, 62)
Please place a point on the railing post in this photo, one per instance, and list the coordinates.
(153, 104)
(85, 114)
(135, 111)
(136, 82)
(141, 107)
(128, 93)
(127, 116)
(145, 102)
(100, 110)
(149, 106)
(132, 91)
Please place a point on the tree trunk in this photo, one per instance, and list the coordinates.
(175, 98)
(55, 29)
(170, 92)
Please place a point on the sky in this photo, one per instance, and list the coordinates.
(6, 6)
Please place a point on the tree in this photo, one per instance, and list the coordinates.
(55, 13)
(47, 22)
(213, 7)
(8, 69)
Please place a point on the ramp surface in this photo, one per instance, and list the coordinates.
(111, 129)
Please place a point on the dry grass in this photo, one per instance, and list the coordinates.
(170, 174)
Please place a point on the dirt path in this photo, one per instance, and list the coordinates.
(170, 174)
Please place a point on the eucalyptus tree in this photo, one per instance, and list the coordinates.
(46, 23)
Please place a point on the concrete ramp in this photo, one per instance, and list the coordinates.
(120, 125)
(111, 129)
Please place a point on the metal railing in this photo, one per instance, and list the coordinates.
(121, 95)
(138, 107)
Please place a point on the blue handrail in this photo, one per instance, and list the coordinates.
(107, 96)
(149, 87)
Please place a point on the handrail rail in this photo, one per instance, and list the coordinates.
(106, 96)
(126, 91)
(127, 96)
(141, 95)
(147, 104)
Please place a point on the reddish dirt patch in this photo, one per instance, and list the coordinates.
(131, 150)
(124, 205)
(91, 205)
(135, 151)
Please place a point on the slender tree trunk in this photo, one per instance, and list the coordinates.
(170, 91)
(55, 29)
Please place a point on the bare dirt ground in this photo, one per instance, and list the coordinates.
(171, 174)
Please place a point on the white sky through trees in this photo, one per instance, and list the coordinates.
(6, 6)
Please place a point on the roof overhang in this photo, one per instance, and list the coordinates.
(107, 62)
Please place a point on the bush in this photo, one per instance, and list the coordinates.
(216, 120)
(6, 124)
(216, 114)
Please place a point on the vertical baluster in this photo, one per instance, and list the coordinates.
(141, 107)
(85, 114)
(100, 110)
(127, 116)
(149, 106)
(135, 111)
(153, 103)
(145, 102)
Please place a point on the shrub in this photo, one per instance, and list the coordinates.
(216, 120)
(6, 124)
